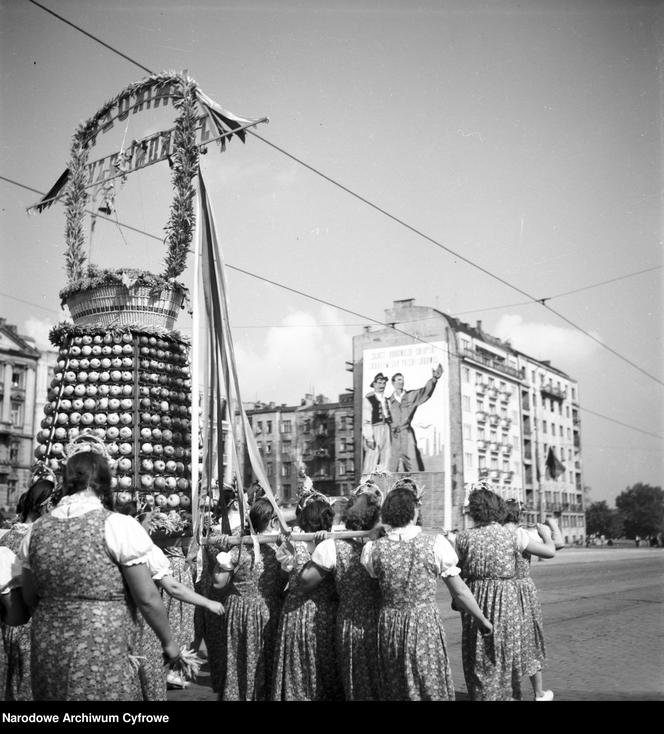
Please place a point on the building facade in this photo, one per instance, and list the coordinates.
(25, 375)
(496, 414)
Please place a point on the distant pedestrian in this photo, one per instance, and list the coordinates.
(637, 541)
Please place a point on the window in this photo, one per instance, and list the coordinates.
(468, 459)
(465, 402)
(466, 374)
(465, 344)
(259, 427)
(13, 451)
(342, 468)
(569, 454)
(494, 462)
(543, 426)
(479, 404)
(18, 378)
(567, 411)
(268, 468)
(268, 447)
(478, 378)
(493, 436)
(574, 394)
(553, 428)
(506, 466)
(350, 465)
(569, 434)
(287, 491)
(307, 425)
(17, 414)
(286, 427)
(342, 444)
(481, 461)
(466, 431)
(11, 487)
(515, 441)
(268, 426)
(286, 469)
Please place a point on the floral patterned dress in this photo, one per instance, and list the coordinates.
(214, 626)
(487, 558)
(305, 667)
(252, 615)
(180, 613)
(412, 653)
(533, 651)
(17, 684)
(357, 619)
(81, 627)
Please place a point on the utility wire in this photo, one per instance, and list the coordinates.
(301, 293)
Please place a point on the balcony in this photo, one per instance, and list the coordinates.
(507, 475)
(506, 448)
(505, 395)
(553, 392)
(493, 447)
(526, 430)
(492, 363)
(483, 471)
(481, 445)
(494, 419)
(481, 416)
(492, 393)
(481, 387)
(494, 474)
(505, 423)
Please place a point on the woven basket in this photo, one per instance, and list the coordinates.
(116, 305)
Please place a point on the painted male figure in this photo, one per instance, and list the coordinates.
(405, 455)
(376, 421)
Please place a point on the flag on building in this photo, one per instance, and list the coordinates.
(554, 467)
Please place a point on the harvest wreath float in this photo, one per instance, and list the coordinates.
(123, 374)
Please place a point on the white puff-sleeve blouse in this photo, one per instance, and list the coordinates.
(445, 557)
(127, 541)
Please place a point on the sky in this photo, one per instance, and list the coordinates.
(524, 138)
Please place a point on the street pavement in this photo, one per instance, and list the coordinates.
(603, 613)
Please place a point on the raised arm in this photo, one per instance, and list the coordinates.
(544, 549)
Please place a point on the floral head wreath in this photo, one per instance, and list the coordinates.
(370, 487)
(42, 473)
(308, 495)
(410, 484)
(87, 442)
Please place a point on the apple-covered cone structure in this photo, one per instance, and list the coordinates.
(131, 388)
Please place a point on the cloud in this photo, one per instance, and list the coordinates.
(38, 329)
(561, 345)
(304, 354)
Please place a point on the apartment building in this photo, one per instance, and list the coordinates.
(496, 414)
(25, 374)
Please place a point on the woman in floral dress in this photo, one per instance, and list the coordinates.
(16, 640)
(305, 666)
(357, 616)
(412, 654)
(532, 649)
(255, 583)
(77, 561)
(487, 558)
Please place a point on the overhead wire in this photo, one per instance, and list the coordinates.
(541, 301)
(300, 293)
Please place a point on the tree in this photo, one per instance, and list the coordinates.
(603, 520)
(641, 508)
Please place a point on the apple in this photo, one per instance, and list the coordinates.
(113, 419)
(114, 482)
(143, 340)
(108, 339)
(87, 419)
(71, 377)
(149, 500)
(127, 390)
(96, 350)
(89, 404)
(91, 390)
(65, 405)
(166, 435)
(145, 402)
(124, 482)
(112, 432)
(185, 501)
(106, 363)
(83, 364)
(183, 483)
(127, 362)
(97, 339)
(156, 434)
(86, 339)
(173, 500)
(86, 350)
(100, 419)
(93, 376)
(124, 497)
(128, 349)
(116, 375)
(126, 419)
(82, 376)
(107, 351)
(116, 349)
(116, 363)
(40, 451)
(113, 449)
(169, 451)
(171, 482)
(75, 351)
(159, 466)
(155, 419)
(103, 389)
(159, 483)
(146, 434)
(68, 390)
(104, 376)
(160, 500)
(144, 392)
(146, 448)
(95, 363)
(124, 464)
(126, 449)
(101, 432)
(75, 418)
(158, 449)
(147, 465)
(62, 419)
(171, 466)
(126, 434)
(115, 390)
(74, 364)
(127, 338)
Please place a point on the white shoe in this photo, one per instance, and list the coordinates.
(546, 696)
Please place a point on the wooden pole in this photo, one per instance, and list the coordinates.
(294, 537)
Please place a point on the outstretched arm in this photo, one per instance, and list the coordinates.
(179, 591)
(544, 549)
